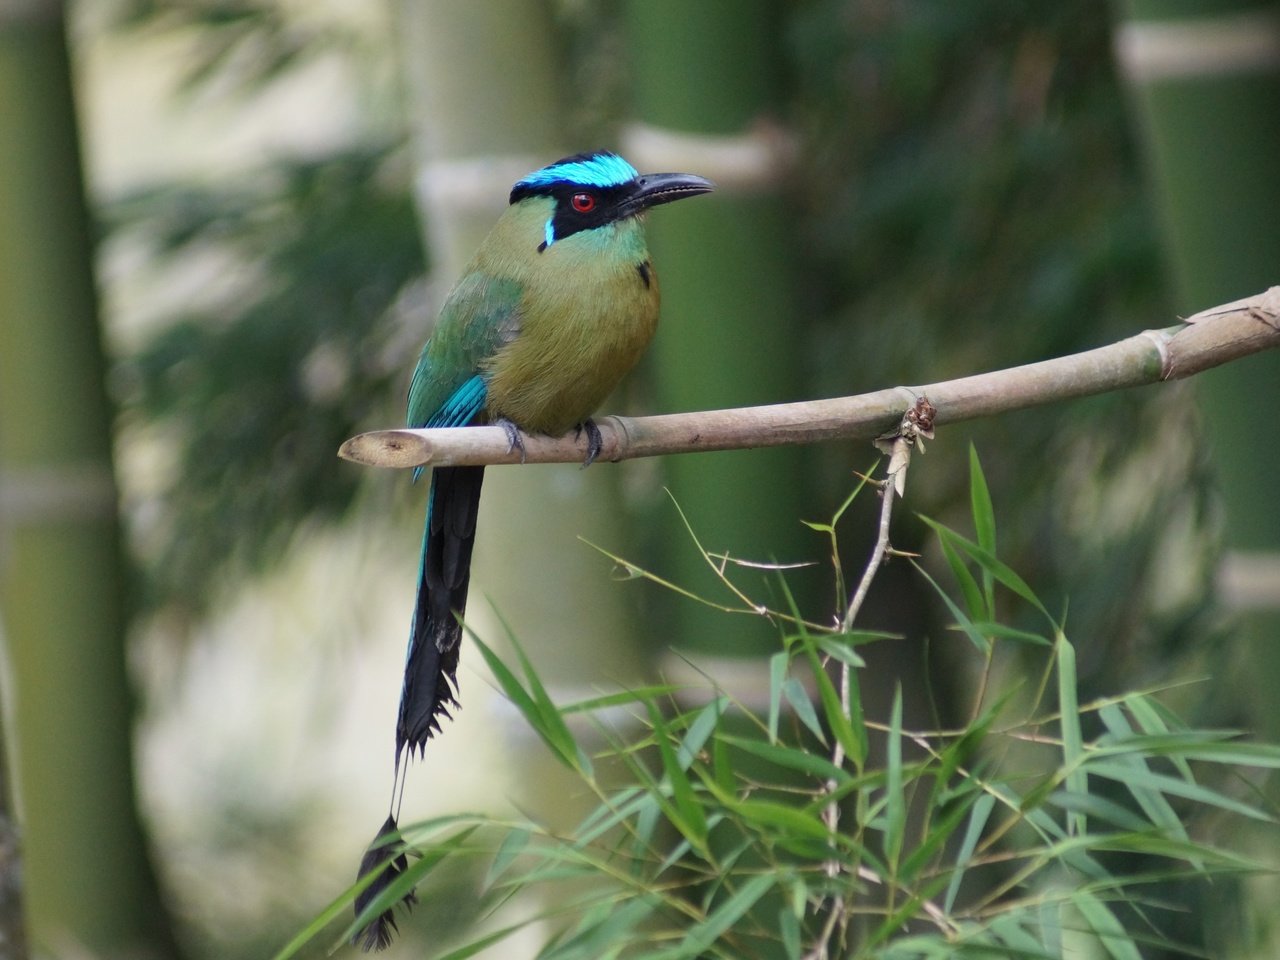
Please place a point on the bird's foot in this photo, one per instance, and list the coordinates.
(514, 440)
(595, 443)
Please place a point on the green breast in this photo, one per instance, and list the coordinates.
(588, 309)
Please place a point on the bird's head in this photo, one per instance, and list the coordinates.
(590, 190)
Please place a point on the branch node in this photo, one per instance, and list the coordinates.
(915, 427)
(1160, 339)
(621, 438)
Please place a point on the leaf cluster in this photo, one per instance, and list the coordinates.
(814, 830)
(254, 392)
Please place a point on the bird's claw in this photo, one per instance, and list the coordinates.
(595, 442)
(514, 440)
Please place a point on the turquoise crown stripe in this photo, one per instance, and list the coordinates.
(597, 170)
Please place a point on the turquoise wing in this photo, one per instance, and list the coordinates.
(480, 315)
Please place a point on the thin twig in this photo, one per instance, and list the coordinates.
(916, 424)
(819, 949)
(898, 461)
(1208, 339)
(901, 450)
(931, 909)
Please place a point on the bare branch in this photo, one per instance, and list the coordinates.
(915, 427)
(1208, 339)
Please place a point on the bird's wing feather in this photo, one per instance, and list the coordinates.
(462, 406)
(479, 317)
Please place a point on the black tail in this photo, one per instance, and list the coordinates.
(430, 671)
(378, 933)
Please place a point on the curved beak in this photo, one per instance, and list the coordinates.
(654, 188)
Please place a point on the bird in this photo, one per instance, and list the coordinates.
(556, 306)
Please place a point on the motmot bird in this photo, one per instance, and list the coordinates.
(556, 306)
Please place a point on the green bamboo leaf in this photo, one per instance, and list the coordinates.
(937, 836)
(798, 697)
(768, 815)
(853, 739)
(1100, 808)
(778, 664)
(856, 638)
(621, 698)
(646, 824)
(512, 845)
(853, 495)
(1162, 719)
(1154, 718)
(973, 599)
(722, 763)
(1199, 855)
(691, 821)
(1175, 786)
(789, 930)
(1077, 780)
(551, 715)
(990, 628)
(1016, 940)
(893, 922)
(1263, 755)
(335, 909)
(721, 882)
(1166, 745)
(553, 873)
(703, 935)
(704, 724)
(656, 793)
(978, 817)
(984, 522)
(988, 562)
(1153, 803)
(1109, 931)
(608, 927)
(960, 750)
(792, 758)
(838, 648)
(1050, 917)
(843, 725)
(536, 707)
(1072, 851)
(895, 801)
(1208, 746)
(621, 807)
(975, 636)
(511, 686)
(466, 951)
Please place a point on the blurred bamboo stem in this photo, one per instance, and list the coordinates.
(1207, 339)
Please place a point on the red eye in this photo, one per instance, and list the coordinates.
(583, 202)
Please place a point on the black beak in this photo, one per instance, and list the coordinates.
(654, 188)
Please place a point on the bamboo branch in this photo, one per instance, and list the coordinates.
(916, 426)
(1207, 339)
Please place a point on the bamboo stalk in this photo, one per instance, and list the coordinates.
(87, 883)
(1208, 339)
